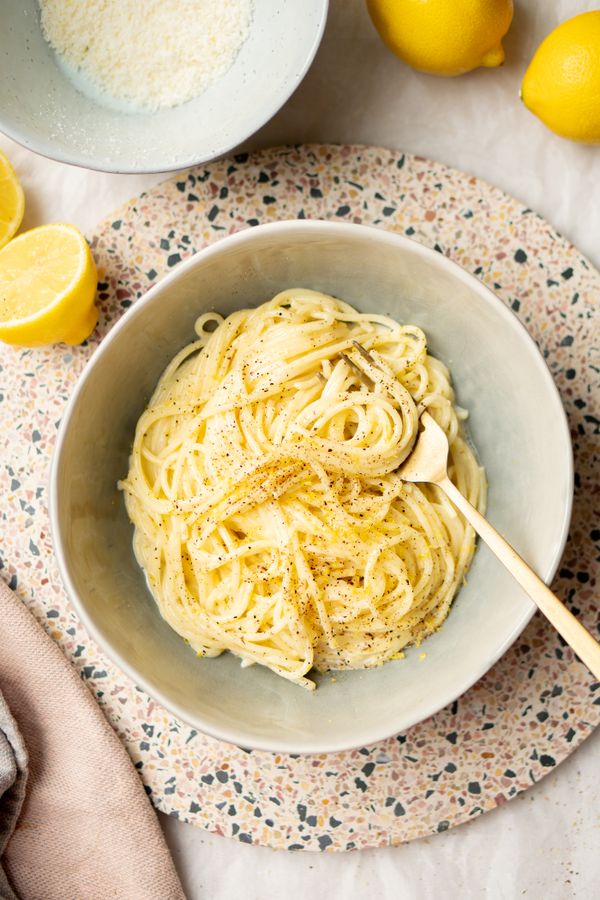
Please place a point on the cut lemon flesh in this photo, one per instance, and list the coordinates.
(47, 287)
(12, 201)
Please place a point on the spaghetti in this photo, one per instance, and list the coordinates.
(269, 517)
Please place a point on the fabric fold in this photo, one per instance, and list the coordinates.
(13, 781)
(86, 828)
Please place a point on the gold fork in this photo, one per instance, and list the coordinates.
(428, 462)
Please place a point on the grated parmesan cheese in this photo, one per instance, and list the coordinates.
(153, 54)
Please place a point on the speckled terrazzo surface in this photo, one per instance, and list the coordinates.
(533, 708)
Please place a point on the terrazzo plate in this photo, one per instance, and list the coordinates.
(533, 708)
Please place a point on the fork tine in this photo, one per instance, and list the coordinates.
(365, 354)
(362, 375)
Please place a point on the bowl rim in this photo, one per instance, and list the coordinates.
(80, 160)
(398, 723)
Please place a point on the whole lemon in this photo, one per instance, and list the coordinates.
(444, 37)
(562, 84)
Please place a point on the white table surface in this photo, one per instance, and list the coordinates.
(545, 843)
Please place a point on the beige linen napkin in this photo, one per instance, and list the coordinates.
(86, 828)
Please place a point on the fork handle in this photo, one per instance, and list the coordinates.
(581, 641)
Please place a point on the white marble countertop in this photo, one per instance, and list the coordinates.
(545, 842)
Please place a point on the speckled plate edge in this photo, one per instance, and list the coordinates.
(533, 708)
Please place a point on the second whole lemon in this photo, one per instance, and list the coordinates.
(444, 37)
(562, 84)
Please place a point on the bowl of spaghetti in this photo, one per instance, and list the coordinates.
(226, 508)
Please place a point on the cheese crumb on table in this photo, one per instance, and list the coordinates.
(155, 54)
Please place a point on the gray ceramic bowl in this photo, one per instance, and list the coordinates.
(41, 108)
(517, 423)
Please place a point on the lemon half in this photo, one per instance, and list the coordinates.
(12, 201)
(47, 287)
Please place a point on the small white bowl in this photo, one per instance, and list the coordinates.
(516, 420)
(41, 108)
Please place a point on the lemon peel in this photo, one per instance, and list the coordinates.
(444, 37)
(562, 83)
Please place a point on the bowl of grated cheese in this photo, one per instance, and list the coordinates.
(99, 85)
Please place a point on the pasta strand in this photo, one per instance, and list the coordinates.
(269, 517)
